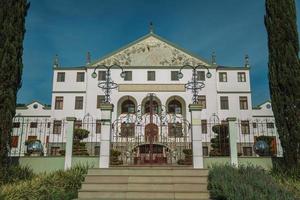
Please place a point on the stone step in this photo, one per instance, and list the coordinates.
(88, 195)
(149, 172)
(144, 179)
(141, 187)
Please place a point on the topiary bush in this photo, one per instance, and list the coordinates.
(79, 148)
(245, 182)
(56, 185)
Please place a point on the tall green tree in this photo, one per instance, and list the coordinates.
(12, 30)
(284, 75)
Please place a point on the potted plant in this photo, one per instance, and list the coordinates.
(79, 148)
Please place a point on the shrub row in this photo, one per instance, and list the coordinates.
(56, 185)
(245, 182)
(14, 174)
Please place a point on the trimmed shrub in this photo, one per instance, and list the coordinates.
(15, 173)
(245, 182)
(57, 185)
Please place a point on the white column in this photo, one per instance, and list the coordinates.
(195, 110)
(69, 141)
(106, 112)
(233, 140)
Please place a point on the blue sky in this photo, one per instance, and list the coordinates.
(70, 28)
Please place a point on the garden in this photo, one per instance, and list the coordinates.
(251, 183)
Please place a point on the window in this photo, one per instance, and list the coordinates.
(205, 151)
(174, 106)
(14, 141)
(128, 106)
(78, 124)
(57, 126)
(200, 75)
(60, 76)
(33, 124)
(243, 103)
(202, 101)
(223, 76)
(100, 100)
(101, 75)
(241, 76)
(224, 103)
(127, 130)
(16, 124)
(79, 103)
(98, 126)
(247, 151)
(174, 76)
(48, 125)
(151, 75)
(204, 126)
(128, 76)
(175, 129)
(32, 138)
(254, 124)
(97, 150)
(154, 107)
(55, 151)
(245, 128)
(270, 125)
(80, 77)
(59, 101)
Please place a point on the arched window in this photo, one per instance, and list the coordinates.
(128, 106)
(174, 106)
(154, 105)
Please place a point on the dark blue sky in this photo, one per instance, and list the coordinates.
(70, 28)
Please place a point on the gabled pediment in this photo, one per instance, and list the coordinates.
(151, 50)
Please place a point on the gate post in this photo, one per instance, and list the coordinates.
(106, 113)
(195, 110)
(233, 140)
(69, 141)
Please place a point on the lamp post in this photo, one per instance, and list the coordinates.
(108, 84)
(194, 84)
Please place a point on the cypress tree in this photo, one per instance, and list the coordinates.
(12, 30)
(284, 75)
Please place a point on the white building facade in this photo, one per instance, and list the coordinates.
(151, 65)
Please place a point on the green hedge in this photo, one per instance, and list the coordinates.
(14, 174)
(57, 185)
(245, 182)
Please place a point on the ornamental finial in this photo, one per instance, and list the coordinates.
(247, 63)
(213, 58)
(56, 61)
(88, 58)
(151, 27)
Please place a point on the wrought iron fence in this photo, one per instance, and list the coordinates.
(254, 138)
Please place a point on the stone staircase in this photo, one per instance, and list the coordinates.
(147, 183)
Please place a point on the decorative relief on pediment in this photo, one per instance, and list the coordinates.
(151, 52)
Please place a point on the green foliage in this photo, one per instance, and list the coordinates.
(80, 134)
(188, 152)
(57, 185)
(284, 75)
(79, 148)
(12, 30)
(15, 174)
(114, 157)
(220, 143)
(245, 182)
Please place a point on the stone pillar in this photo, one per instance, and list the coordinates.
(106, 113)
(69, 141)
(195, 110)
(233, 130)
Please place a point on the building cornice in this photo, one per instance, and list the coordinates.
(233, 92)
